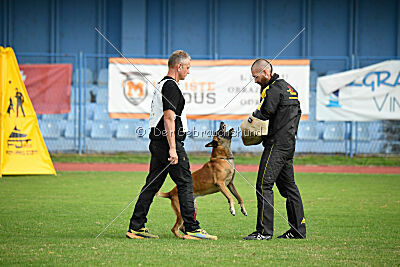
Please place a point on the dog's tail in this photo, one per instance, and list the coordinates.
(165, 195)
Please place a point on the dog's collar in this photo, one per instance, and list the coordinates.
(215, 158)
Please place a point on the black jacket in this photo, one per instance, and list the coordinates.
(280, 105)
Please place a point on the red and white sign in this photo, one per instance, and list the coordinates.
(48, 86)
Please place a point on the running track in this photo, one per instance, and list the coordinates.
(120, 167)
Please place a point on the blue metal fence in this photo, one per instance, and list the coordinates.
(88, 128)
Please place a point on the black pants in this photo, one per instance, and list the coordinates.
(276, 166)
(180, 174)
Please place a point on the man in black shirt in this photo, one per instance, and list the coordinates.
(168, 131)
(280, 105)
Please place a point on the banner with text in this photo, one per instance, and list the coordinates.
(210, 85)
(366, 94)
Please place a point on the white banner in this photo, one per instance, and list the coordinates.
(210, 85)
(366, 94)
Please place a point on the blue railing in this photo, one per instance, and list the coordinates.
(353, 137)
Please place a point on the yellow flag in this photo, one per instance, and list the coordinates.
(22, 148)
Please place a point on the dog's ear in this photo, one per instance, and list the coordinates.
(231, 131)
(213, 143)
(222, 126)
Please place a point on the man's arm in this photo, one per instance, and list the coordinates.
(171, 92)
(269, 104)
(169, 125)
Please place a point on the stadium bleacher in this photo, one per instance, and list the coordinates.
(126, 130)
(102, 96)
(103, 134)
(50, 129)
(102, 78)
(70, 130)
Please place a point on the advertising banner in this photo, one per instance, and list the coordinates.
(208, 88)
(366, 94)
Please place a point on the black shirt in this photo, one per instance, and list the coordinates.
(282, 108)
(172, 100)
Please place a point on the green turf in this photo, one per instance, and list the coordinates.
(239, 159)
(351, 219)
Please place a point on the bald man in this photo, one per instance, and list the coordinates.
(280, 105)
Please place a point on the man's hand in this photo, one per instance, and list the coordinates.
(173, 156)
(257, 113)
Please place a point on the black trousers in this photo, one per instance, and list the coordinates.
(180, 174)
(276, 166)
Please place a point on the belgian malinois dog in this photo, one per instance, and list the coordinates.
(214, 176)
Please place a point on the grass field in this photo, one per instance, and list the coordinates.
(200, 158)
(351, 219)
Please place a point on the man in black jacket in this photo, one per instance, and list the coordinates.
(280, 105)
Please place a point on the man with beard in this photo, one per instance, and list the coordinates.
(280, 105)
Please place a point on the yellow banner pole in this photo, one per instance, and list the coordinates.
(2, 94)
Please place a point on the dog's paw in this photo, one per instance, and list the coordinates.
(233, 212)
(244, 212)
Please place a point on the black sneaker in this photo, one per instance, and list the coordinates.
(257, 236)
(291, 234)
